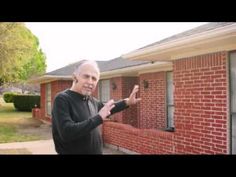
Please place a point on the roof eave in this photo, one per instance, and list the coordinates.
(136, 70)
(48, 78)
(189, 45)
(128, 71)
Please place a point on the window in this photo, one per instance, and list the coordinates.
(48, 99)
(233, 100)
(104, 90)
(170, 101)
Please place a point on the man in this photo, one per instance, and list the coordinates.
(76, 115)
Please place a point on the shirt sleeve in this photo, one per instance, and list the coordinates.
(119, 106)
(68, 129)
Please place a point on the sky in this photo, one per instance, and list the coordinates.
(64, 43)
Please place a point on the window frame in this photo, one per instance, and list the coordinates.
(169, 105)
(48, 102)
(232, 112)
(101, 90)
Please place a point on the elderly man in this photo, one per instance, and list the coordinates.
(76, 115)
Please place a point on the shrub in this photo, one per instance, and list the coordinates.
(8, 96)
(26, 102)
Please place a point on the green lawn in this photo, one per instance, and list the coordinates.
(7, 109)
(8, 133)
(11, 120)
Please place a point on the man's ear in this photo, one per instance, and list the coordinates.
(75, 79)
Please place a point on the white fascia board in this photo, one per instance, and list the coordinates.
(49, 78)
(136, 70)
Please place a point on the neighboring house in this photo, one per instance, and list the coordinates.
(188, 90)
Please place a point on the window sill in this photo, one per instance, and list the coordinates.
(169, 129)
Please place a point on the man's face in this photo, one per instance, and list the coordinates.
(87, 77)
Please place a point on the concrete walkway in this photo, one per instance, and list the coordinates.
(39, 147)
(30, 147)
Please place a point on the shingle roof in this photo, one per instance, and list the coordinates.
(117, 63)
(67, 70)
(197, 30)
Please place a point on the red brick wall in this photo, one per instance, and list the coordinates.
(130, 115)
(142, 141)
(116, 95)
(200, 98)
(123, 90)
(152, 106)
(201, 104)
(56, 86)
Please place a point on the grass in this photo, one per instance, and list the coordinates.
(8, 133)
(12, 120)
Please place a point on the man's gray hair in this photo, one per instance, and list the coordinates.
(82, 62)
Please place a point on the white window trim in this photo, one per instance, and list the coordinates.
(101, 90)
(48, 104)
(170, 120)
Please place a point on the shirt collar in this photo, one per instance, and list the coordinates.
(80, 96)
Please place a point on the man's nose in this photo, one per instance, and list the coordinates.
(90, 80)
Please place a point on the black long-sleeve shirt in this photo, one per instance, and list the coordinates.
(75, 127)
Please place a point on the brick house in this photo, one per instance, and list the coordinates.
(187, 85)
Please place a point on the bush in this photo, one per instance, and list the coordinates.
(26, 102)
(8, 96)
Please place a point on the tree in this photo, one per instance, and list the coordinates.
(20, 55)
(33, 67)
